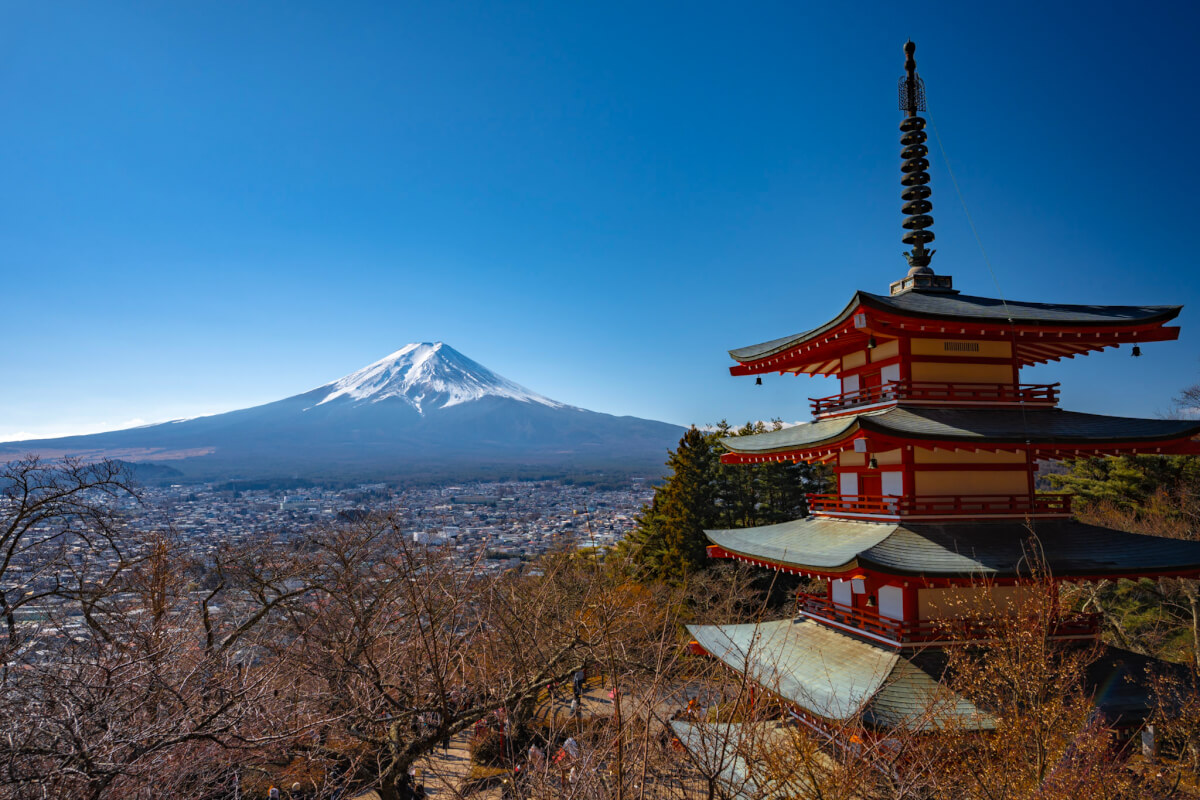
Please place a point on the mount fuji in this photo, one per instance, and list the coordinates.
(426, 409)
(434, 375)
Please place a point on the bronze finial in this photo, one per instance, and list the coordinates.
(912, 88)
(915, 178)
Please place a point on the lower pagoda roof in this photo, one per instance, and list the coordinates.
(837, 677)
(1046, 429)
(752, 760)
(989, 549)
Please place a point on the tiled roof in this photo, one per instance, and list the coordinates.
(817, 542)
(963, 307)
(944, 305)
(746, 757)
(1041, 426)
(836, 676)
(823, 430)
(757, 351)
(1118, 680)
(960, 549)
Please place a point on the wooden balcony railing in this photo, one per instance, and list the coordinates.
(1034, 394)
(978, 505)
(869, 621)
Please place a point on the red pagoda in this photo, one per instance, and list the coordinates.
(935, 444)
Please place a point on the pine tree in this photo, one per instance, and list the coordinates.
(669, 539)
(702, 493)
(1129, 482)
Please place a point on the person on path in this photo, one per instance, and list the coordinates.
(571, 747)
(577, 684)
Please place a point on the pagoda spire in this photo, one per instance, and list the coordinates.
(916, 180)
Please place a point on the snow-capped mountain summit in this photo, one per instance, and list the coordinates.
(428, 375)
(425, 410)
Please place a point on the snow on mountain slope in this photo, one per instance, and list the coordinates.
(424, 410)
(427, 376)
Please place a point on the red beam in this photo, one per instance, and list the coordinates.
(1043, 449)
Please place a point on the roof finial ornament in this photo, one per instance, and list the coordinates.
(916, 179)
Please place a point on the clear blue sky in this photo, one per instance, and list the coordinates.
(205, 206)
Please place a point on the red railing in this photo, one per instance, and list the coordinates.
(1071, 626)
(1040, 394)
(885, 505)
(982, 505)
(865, 620)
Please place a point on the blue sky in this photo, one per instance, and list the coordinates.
(205, 206)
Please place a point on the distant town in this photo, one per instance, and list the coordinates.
(505, 522)
(511, 520)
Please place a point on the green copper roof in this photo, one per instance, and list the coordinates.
(816, 542)
(958, 549)
(955, 307)
(1040, 426)
(746, 758)
(802, 435)
(836, 676)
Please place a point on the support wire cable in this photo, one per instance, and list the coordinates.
(999, 293)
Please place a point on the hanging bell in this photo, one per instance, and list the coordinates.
(1137, 351)
(871, 343)
(758, 381)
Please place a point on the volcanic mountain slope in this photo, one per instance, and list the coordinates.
(424, 408)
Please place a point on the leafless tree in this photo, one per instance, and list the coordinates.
(157, 682)
(52, 516)
(405, 647)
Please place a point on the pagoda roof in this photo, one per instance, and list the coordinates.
(837, 676)
(1119, 682)
(947, 305)
(972, 427)
(954, 307)
(989, 549)
(746, 757)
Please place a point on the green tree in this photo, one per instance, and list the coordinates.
(702, 493)
(669, 539)
(762, 494)
(1156, 495)
(1130, 482)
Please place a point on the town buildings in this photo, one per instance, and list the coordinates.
(487, 526)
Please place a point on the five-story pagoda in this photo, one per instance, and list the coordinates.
(935, 444)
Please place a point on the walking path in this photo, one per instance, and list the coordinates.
(445, 773)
